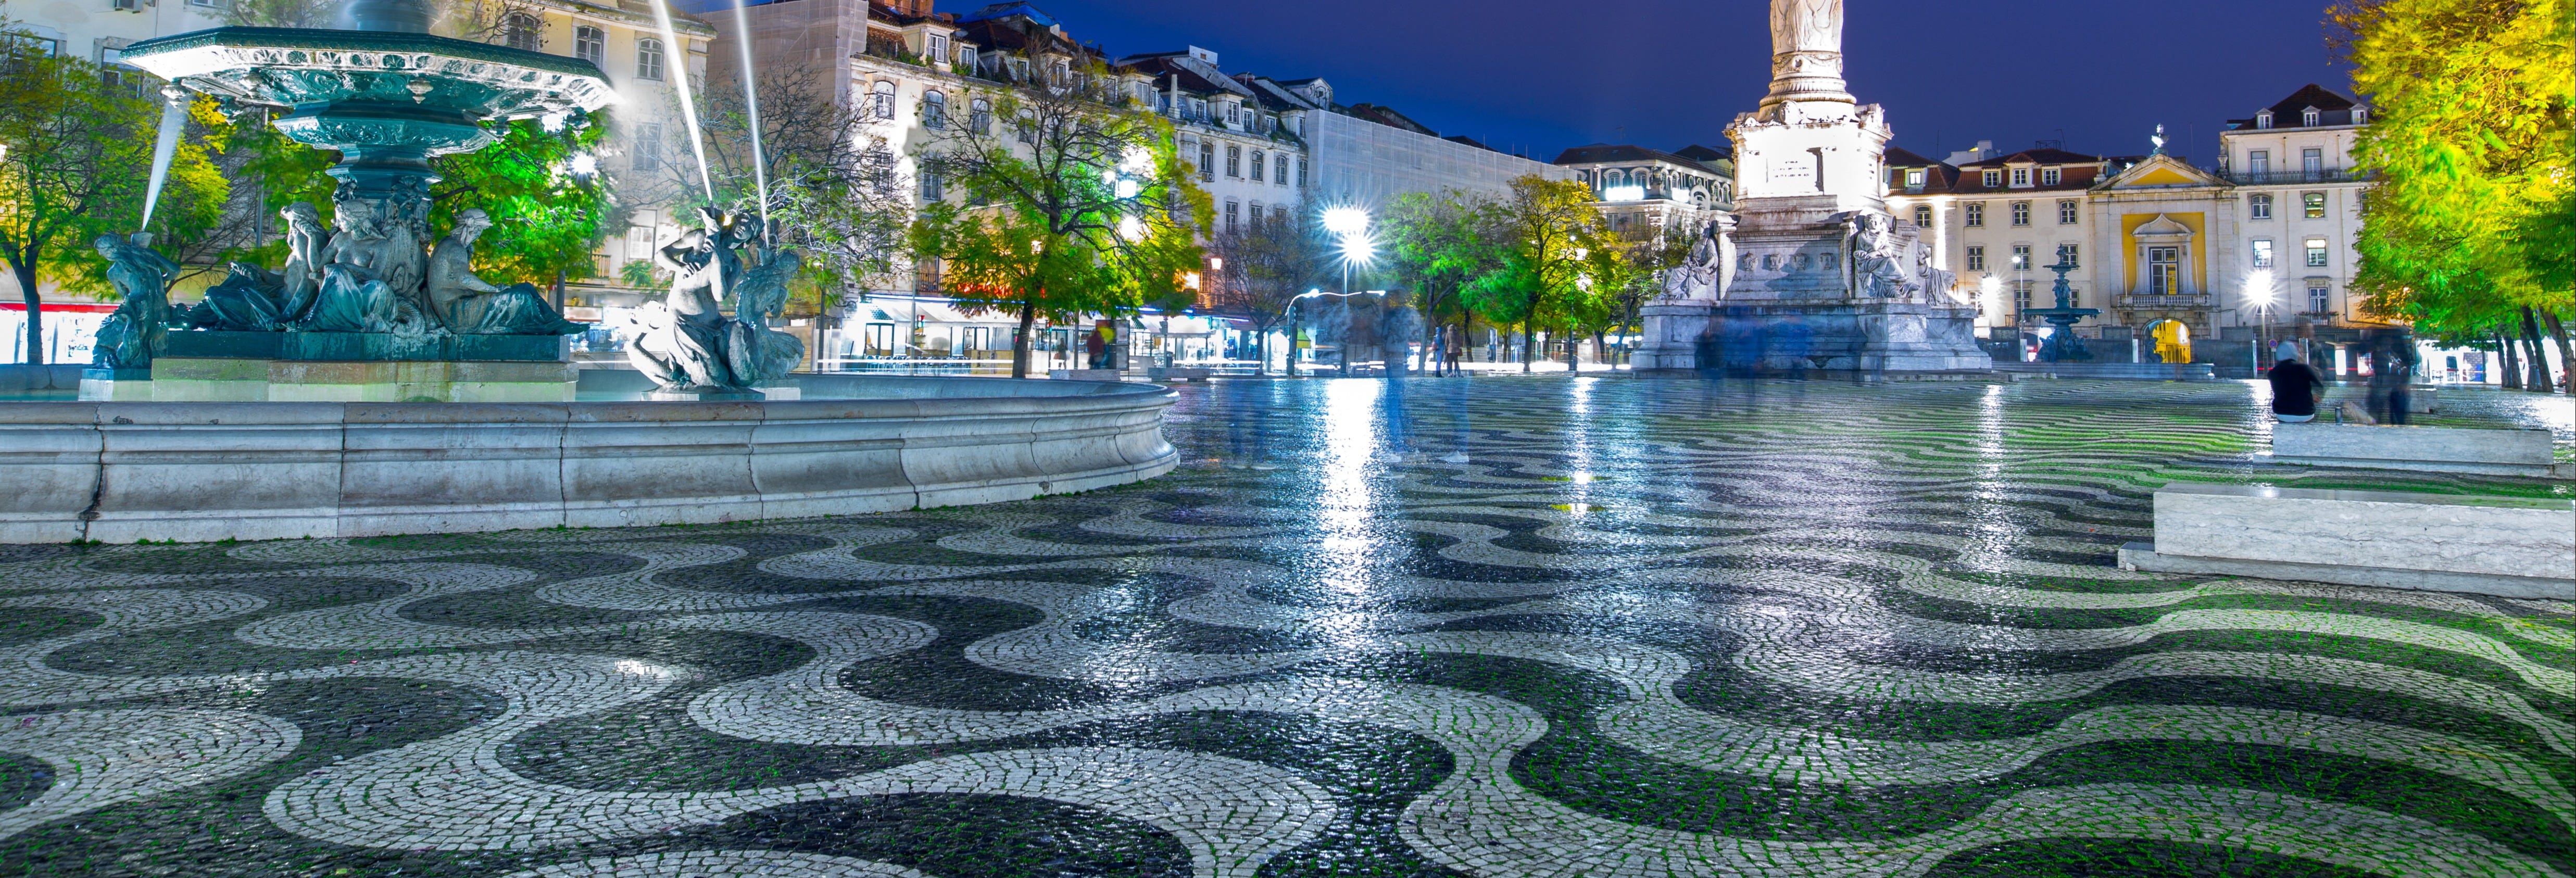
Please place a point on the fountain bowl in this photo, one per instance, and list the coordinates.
(207, 471)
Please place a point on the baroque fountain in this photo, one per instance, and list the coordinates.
(373, 384)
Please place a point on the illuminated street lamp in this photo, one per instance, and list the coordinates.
(2261, 292)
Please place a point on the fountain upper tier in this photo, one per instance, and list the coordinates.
(367, 90)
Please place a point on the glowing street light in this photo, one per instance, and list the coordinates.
(1346, 221)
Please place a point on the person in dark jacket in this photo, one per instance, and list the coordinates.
(2295, 388)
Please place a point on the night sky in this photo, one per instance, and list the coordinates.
(1539, 77)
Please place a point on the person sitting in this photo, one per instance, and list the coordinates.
(2295, 388)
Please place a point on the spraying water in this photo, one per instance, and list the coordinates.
(751, 99)
(174, 116)
(679, 76)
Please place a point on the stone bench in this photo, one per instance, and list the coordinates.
(1178, 373)
(2435, 449)
(2506, 546)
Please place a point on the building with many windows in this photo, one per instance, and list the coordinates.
(2264, 238)
(1645, 192)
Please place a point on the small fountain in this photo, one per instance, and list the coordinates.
(2063, 344)
(322, 398)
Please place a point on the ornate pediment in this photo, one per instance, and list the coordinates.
(2163, 172)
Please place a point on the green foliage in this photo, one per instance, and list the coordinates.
(546, 219)
(1436, 245)
(1553, 253)
(832, 196)
(2472, 140)
(1075, 205)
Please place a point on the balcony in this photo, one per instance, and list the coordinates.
(2293, 178)
(2153, 302)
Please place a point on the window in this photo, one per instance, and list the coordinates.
(2258, 162)
(1914, 178)
(2259, 206)
(2314, 204)
(2051, 176)
(1198, 109)
(1233, 160)
(2309, 117)
(2066, 213)
(2021, 213)
(2164, 271)
(979, 116)
(881, 99)
(1027, 128)
(925, 275)
(1233, 113)
(2262, 253)
(1207, 161)
(1301, 173)
(2021, 295)
(1976, 213)
(2066, 255)
(1923, 216)
(934, 110)
(1994, 178)
(966, 57)
(1976, 259)
(1260, 161)
(590, 44)
(2312, 162)
(2021, 257)
(2021, 178)
(1231, 209)
(2360, 116)
(2316, 248)
(1279, 170)
(2320, 293)
(2263, 119)
(523, 31)
(648, 146)
(648, 59)
(930, 190)
(1279, 213)
(1252, 216)
(938, 46)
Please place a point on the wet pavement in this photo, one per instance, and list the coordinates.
(1645, 628)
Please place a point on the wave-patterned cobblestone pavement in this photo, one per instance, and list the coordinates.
(1645, 628)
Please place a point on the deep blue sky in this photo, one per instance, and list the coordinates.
(1542, 76)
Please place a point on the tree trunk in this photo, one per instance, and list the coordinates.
(2509, 365)
(2540, 380)
(1529, 347)
(2566, 354)
(1028, 332)
(1296, 333)
(25, 270)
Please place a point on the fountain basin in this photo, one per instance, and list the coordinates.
(203, 471)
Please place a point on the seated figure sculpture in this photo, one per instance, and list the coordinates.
(470, 305)
(133, 334)
(684, 342)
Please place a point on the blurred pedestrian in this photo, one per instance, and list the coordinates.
(2295, 388)
(2392, 366)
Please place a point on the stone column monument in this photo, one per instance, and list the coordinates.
(1812, 242)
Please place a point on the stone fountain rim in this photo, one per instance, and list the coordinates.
(357, 42)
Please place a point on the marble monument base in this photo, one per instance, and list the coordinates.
(116, 385)
(229, 379)
(1844, 338)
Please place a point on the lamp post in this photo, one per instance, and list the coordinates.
(1351, 225)
(2259, 291)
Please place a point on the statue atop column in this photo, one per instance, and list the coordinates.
(1806, 52)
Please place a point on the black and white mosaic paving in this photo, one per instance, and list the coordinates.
(1501, 627)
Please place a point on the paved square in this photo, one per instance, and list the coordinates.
(1648, 628)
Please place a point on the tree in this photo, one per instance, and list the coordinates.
(1266, 268)
(1437, 247)
(1076, 202)
(79, 140)
(2471, 140)
(550, 205)
(833, 186)
(1552, 245)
